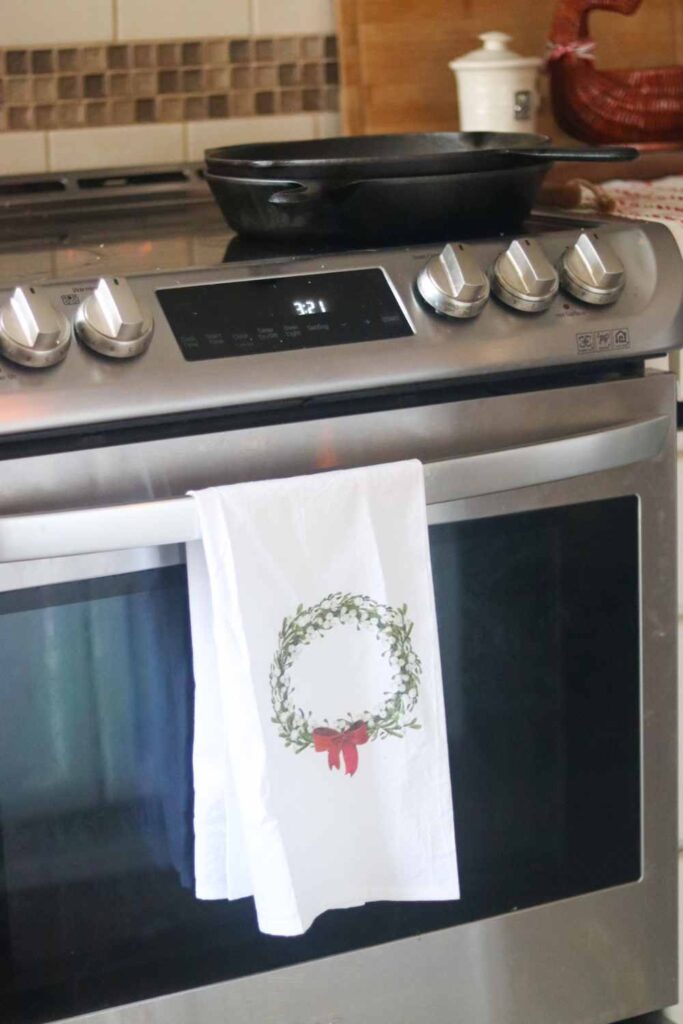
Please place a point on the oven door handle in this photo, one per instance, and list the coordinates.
(174, 521)
(509, 469)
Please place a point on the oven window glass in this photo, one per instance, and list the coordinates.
(539, 630)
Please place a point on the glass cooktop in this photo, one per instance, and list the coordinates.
(127, 222)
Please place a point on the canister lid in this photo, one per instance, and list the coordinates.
(492, 55)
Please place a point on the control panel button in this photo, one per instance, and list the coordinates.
(32, 332)
(590, 270)
(524, 278)
(453, 283)
(112, 322)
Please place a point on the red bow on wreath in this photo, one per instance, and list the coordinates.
(341, 744)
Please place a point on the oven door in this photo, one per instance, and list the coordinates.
(553, 562)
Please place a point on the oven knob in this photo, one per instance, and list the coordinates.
(453, 283)
(524, 277)
(32, 332)
(111, 321)
(590, 270)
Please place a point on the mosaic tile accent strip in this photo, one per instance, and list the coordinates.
(156, 82)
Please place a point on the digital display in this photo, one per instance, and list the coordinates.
(306, 307)
(277, 314)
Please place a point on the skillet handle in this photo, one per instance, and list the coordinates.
(298, 193)
(610, 154)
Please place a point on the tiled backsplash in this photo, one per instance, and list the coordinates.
(241, 70)
(183, 80)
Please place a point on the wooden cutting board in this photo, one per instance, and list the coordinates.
(394, 54)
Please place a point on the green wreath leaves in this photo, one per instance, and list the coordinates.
(393, 628)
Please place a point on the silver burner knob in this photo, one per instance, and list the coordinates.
(591, 271)
(524, 277)
(453, 283)
(111, 321)
(32, 332)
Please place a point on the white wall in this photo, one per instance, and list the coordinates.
(33, 22)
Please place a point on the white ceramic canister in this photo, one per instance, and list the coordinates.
(497, 89)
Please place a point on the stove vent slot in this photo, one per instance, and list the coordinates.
(31, 186)
(122, 181)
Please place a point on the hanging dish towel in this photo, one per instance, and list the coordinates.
(320, 756)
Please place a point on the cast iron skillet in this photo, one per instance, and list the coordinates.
(386, 189)
(381, 156)
(380, 210)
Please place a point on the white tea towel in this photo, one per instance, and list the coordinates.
(320, 706)
(221, 868)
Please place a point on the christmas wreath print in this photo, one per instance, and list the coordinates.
(341, 738)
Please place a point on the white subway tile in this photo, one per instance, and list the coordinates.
(203, 135)
(82, 148)
(22, 152)
(328, 123)
(295, 17)
(168, 19)
(34, 22)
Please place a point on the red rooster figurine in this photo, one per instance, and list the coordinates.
(609, 106)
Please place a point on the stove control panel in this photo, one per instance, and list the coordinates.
(290, 329)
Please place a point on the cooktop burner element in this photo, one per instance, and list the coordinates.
(158, 323)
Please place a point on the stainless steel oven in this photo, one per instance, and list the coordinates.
(549, 454)
(552, 532)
